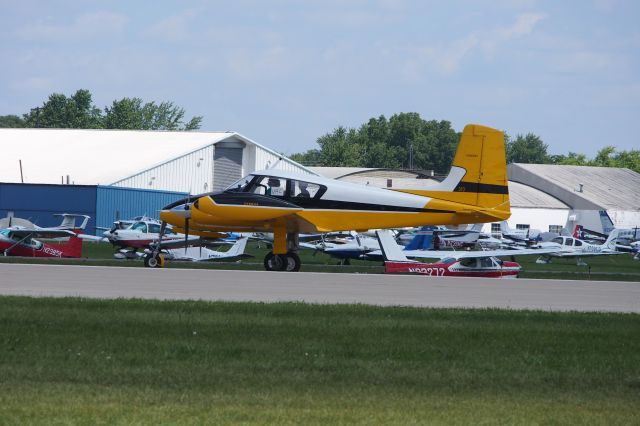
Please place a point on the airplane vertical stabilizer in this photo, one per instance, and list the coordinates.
(478, 176)
(390, 249)
(423, 240)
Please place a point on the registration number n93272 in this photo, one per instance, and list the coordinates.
(437, 272)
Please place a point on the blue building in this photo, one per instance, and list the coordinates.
(38, 202)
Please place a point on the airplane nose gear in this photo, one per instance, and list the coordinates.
(154, 261)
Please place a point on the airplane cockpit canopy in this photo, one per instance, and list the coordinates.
(277, 187)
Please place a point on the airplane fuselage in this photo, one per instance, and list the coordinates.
(483, 268)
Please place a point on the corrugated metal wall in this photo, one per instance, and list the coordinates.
(192, 172)
(114, 203)
(38, 202)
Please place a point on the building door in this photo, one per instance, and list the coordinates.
(227, 164)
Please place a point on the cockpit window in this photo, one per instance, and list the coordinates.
(240, 185)
(468, 262)
(139, 226)
(304, 189)
(269, 185)
(558, 240)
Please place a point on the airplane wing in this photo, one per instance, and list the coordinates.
(461, 254)
(387, 244)
(584, 254)
(41, 233)
(92, 238)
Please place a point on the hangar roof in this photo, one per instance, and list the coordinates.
(92, 157)
(602, 187)
(526, 196)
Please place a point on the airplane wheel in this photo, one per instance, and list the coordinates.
(274, 262)
(156, 261)
(292, 262)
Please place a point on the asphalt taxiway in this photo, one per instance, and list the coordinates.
(310, 287)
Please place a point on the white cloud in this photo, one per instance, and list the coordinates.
(174, 28)
(449, 57)
(85, 26)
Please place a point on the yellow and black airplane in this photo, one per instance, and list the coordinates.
(288, 204)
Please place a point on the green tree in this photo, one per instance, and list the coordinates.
(75, 112)
(339, 149)
(131, 113)
(574, 159)
(11, 121)
(526, 149)
(404, 140)
(603, 157)
(628, 159)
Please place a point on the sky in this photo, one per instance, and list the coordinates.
(284, 73)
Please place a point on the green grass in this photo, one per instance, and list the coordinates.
(85, 361)
(614, 268)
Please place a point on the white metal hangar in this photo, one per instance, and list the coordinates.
(600, 198)
(191, 162)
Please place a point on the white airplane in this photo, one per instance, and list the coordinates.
(200, 254)
(518, 236)
(574, 247)
(356, 248)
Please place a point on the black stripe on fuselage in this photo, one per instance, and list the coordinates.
(248, 199)
(483, 188)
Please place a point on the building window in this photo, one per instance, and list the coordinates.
(522, 226)
(555, 229)
(495, 228)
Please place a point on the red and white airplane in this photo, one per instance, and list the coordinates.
(129, 236)
(452, 263)
(21, 240)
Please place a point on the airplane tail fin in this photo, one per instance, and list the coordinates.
(73, 248)
(577, 232)
(390, 249)
(423, 239)
(610, 243)
(69, 221)
(478, 175)
(238, 248)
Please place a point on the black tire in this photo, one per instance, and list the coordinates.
(151, 261)
(292, 262)
(274, 262)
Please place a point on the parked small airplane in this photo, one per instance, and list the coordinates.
(440, 237)
(574, 247)
(522, 237)
(357, 248)
(452, 263)
(201, 253)
(21, 240)
(198, 254)
(129, 236)
(288, 204)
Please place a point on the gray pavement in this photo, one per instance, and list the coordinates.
(258, 286)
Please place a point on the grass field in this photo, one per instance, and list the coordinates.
(614, 268)
(77, 361)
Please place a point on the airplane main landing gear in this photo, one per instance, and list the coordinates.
(154, 260)
(289, 262)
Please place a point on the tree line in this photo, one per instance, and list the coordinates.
(78, 112)
(405, 140)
